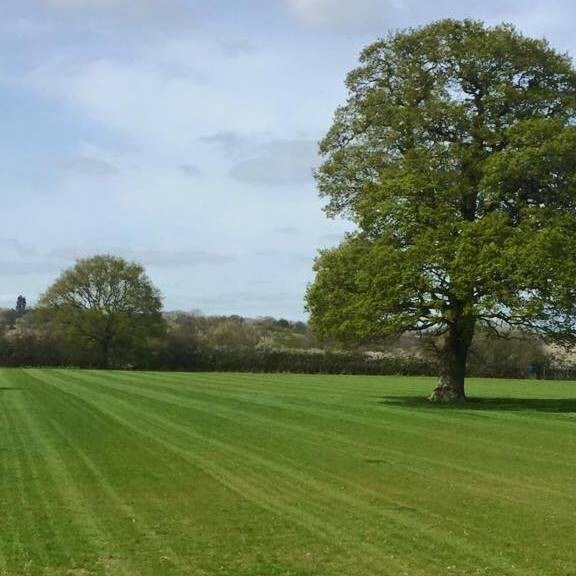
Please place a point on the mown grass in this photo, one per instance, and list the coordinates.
(245, 475)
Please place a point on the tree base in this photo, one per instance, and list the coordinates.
(447, 394)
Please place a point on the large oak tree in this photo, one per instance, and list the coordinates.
(455, 156)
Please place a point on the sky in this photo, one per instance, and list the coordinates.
(183, 134)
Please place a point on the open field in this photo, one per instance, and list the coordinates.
(227, 474)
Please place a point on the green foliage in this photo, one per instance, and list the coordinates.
(454, 155)
(106, 306)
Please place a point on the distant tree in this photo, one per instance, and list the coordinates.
(512, 356)
(183, 346)
(7, 319)
(229, 333)
(20, 306)
(106, 303)
(300, 327)
(455, 157)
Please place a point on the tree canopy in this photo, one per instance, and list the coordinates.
(105, 303)
(454, 155)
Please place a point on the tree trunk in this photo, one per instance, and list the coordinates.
(453, 359)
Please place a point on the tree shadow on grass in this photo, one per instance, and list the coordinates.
(557, 405)
(7, 388)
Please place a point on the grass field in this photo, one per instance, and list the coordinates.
(238, 474)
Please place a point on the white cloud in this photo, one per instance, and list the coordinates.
(153, 258)
(166, 112)
(11, 268)
(89, 3)
(12, 247)
(91, 167)
(230, 142)
(191, 170)
(174, 92)
(157, 13)
(379, 16)
(345, 14)
(280, 163)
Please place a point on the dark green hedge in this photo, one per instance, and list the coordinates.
(289, 361)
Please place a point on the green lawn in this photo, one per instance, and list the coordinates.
(237, 474)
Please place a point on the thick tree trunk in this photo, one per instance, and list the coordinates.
(453, 359)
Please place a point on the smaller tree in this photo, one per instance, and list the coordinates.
(106, 304)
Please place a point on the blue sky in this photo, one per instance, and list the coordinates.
(182, 134)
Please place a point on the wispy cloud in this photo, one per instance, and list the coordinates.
(10, 268)
(152, 258)
(191, 170)
(237, 48)
(228, 141)
(13, 247)
(280, 163)
(343, 14)
(379, 16)
(160, 14)
(90, 167)
(287, 230)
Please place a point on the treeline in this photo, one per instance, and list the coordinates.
(193, 342)
(104, 312)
